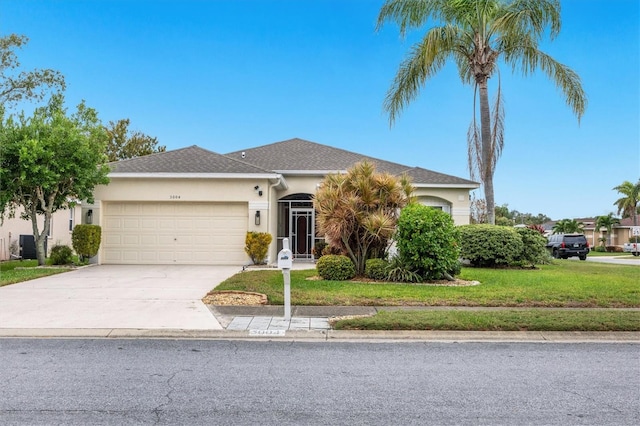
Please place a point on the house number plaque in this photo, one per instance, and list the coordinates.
(174, 197)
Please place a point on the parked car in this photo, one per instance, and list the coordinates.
(632, 248)
(563, 246)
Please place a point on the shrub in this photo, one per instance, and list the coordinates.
(614, 249)
(599, 249)
(534, 249)
(256, 245)
(329, 249)
(490, 245)
(336, 267)
(400, 272)
(427, 242)
(318, 249)
(376, 269)
(61, 255)
(86, 240)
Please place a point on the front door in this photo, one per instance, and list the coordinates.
(301, 232)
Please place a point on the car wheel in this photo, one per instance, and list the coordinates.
(583, 257)
(556, 254)
(636, 253)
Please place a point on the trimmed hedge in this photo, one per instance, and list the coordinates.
(335, 267)
(534, 249)
(376, 269)
(490, 245)
(86, 240)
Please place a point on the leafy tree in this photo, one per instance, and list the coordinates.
(607, 222)
(358, 211)
(628, 204)
(476, 35)
(123, 143)
(568, 226)
(16, 85)
(48, 161)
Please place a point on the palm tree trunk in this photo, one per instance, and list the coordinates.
(487, 150)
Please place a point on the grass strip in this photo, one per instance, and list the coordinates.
(18, 271)
(508, 320)
(566, 283)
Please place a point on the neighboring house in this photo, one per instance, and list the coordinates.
(620, 233)
(194, 206)
(62, 223)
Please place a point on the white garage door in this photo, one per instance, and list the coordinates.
(174, 233)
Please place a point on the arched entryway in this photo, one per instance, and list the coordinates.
(296, 221)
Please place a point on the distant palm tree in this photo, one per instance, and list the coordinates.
(568, 226)
(628, 205)
(476, 34)
(607, 222)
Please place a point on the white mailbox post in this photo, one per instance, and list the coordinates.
(285, 261)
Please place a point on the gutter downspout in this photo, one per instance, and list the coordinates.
(271, 188)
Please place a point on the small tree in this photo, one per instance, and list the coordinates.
(427, 242)
(48, 161)
(357, 211)
(568, 226)
(607, 222)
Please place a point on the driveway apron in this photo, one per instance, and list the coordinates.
(115, 296)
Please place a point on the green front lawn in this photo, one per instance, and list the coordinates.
(16, 271)
(562, 284)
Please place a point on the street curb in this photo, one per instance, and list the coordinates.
(329, 335)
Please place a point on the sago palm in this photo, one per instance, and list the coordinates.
(477, 35)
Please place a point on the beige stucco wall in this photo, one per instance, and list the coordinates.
(12, 228)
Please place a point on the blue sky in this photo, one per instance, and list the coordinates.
(228, 75)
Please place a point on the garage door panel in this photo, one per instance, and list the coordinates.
(172, 233)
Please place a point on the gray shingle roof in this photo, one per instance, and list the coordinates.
(299, 155)
(192, 159)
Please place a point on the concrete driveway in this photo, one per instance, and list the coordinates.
(115, 296)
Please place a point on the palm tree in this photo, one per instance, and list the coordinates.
(358, 211)
(607, 222)
(628, 205)
(476, 34)
(568, 226)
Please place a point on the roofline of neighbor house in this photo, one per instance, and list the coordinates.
(447, 185)
(166, 175)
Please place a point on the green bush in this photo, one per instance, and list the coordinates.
(61, 255)
(336, 267)
(600, 249)
(86, 240)
(256, 245)
(490, 245)
(376, 269)
(427, 242)
(534, 249)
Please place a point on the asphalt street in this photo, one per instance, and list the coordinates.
(227, 382)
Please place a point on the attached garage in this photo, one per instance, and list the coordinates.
(174, 233)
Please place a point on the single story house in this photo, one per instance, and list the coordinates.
(194, 206)
(62, 223)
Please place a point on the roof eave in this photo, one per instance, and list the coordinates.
(166, 175)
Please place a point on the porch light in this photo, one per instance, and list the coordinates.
(257, 221)
(89, 216)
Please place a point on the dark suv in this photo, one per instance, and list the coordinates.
(562, 246)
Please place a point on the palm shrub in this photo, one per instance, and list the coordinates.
(256, 245)
(534, 249)
(357, 211)
(490, 245)
(401, 272)
(335, 267)
(427, 242)
(85, 240)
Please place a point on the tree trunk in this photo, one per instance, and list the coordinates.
(487, 150)
(40, 237)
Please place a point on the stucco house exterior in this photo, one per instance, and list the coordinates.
(62, 223)
(194, 206)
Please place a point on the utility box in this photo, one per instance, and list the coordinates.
(28, 247)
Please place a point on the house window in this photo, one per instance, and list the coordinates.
(71, 218)
(436, 203)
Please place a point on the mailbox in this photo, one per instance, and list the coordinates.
(285, 257)
(285, 260)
